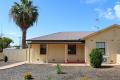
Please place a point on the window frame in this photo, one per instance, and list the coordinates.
(43, 49)
(70, 50)
(102, 48)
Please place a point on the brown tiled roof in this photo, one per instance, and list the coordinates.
(63, 36)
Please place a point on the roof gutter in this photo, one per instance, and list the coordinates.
(54, 41)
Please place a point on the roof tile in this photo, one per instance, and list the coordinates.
(63, 36)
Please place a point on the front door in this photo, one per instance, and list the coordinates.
(56, 53)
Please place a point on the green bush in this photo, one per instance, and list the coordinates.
(27, 76)
(5, 58)
(96, 58)
(84, 78)
(58, 69)
(49, 78)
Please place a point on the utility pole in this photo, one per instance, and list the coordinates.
(20, 42)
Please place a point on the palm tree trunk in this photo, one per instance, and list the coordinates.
(23, 39)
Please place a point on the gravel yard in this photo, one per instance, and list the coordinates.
(43, 71)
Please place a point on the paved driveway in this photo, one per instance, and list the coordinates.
(2, 63)
(43, 71)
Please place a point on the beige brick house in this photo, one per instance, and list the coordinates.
(74, 47)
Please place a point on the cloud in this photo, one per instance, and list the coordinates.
(117, 10)
(109, 13)
(92, 1)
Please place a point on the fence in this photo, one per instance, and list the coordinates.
(16, 54)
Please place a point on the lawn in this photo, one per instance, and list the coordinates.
(42, 72)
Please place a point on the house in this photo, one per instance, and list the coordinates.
(75, 47)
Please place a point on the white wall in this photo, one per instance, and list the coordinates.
(1, 56)
(118, 59)
(16, 54)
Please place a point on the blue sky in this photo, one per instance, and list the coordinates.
(63, 15)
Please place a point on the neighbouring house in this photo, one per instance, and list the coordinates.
(75, 47)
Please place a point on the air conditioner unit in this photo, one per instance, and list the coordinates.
(105, 59)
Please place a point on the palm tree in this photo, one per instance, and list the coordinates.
(24, 14)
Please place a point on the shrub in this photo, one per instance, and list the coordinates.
(49, 78)
(5, 58)
(58, 69)
(84, 78)
(27, 76)
(96, 58)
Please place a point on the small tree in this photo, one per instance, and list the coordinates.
(96, 58)
(5, 43)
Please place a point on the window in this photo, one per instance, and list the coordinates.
(71, 49)
(101, 46)
(43, 49)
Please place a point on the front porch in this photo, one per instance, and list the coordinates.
(57, 53)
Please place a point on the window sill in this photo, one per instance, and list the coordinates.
(72, 54)
(42, 54)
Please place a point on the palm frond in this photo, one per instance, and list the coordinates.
(25, 14)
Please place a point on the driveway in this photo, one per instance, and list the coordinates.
(43, 71)
(2, 63)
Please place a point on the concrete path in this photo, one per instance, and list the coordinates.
(52, 64)
(72, 64)
(12, 65)
(62, 64)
